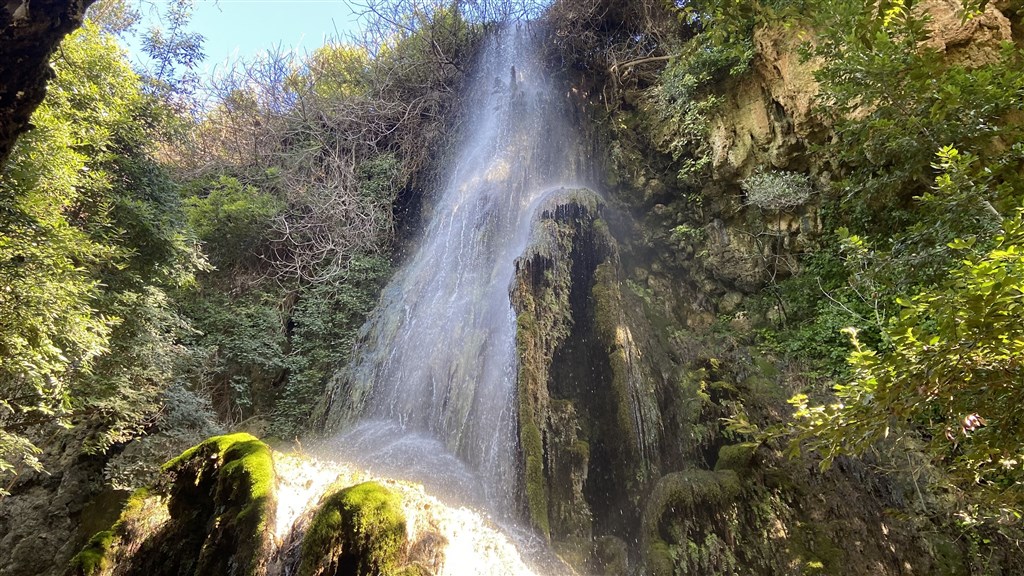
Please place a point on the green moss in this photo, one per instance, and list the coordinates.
(221, 506)
(608, 317)
(530, 439)
(96, 556)
(223, 498)
(659, 559)
(687, 521)
(92, 559)
(814, 548)
(736, 457)
(536, 485)
(358, 531)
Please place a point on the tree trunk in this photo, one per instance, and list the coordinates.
(29, 33)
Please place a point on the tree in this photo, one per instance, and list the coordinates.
(953, 376)
(28, 35)
(92, 238)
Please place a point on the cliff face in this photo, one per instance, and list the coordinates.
(642, 367)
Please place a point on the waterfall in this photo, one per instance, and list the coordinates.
(431, 390)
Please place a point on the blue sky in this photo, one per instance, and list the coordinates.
(245, 28)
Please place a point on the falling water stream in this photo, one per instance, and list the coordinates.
(431, 394)
(433, 381)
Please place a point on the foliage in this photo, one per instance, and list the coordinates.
(114, 16)
(240, 347)
(336, 71)
(185, 418)
(174, 51)
(682, 103)
(952, 375)
(918, 257)
(92, 240)
(894, 101)
(777, 190)
(232, 220)
(325, 323)
(685, 120)
(269, 347)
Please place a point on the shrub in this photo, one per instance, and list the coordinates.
(777, 190)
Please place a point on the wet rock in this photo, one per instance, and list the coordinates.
(587, 418)
(356, 531)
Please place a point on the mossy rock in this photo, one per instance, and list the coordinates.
(100, 554)
(609, 557)
(93, 559)
(221, 506)
(357, 531)
(224, 489)
(686, 522)
(737, 457)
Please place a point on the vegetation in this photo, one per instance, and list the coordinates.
(907, 296)
(918, 262)
(227, 280)
(93, 245)
(777, 190)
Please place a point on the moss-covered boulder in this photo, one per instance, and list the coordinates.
(215, 520)
(223, 497)
(688, 523)
(142, 514)
(357, 531)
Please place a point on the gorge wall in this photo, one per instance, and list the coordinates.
(641, 350)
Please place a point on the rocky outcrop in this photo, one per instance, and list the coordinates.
(693, 265)
(215, 519)
(588, 418)
(968, 42)
(29, 33)
(767, 118)
(48, 516)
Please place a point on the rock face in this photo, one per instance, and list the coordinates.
(627, 468)
(29, 33)
(41, 521)
(972, 42)
(588, 420)
(636, 340)
(767, 119)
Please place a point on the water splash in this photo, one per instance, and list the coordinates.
(431, 393)
(475, 545)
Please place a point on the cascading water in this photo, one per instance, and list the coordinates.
(431, 392)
